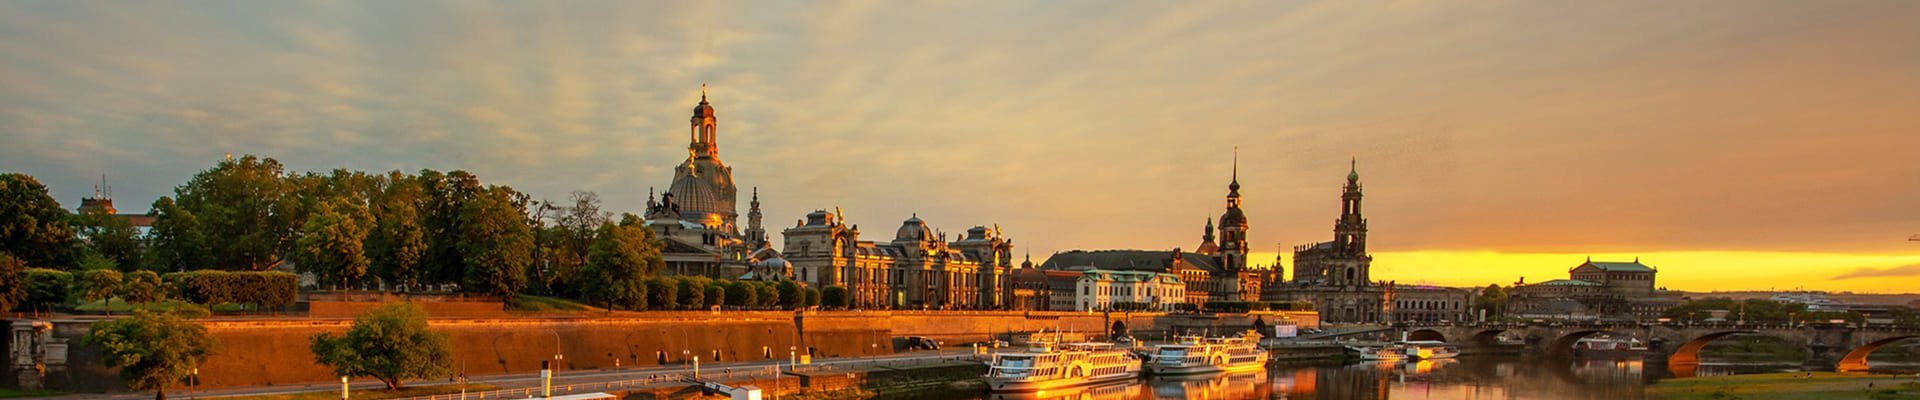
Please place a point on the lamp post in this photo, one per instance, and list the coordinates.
(191, 378)
(343, 388)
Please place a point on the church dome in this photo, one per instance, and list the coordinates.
(704, 191)
(913, 229)
(703, 110)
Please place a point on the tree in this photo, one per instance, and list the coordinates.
(46, 288)
(12, 281)
(564, 246)
(1493, 299)
(153, 350)
(496, 244)
(250, 205)
(391, 343)
(693, 291)
(716, 294)
(398, 242)
(767, 294)
(331, 242)
(175, 239)
(111, 237)
(789, 294)
(741, 294)
(834, 297)
(662, 293)
(812, 297)
(142, 287)
(33, 227)
(97, 285)
(619, 264)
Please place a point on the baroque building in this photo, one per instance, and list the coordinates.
(1215, 271)
(696, 217)
(918, 269)
(1594, 290)
(1336, 275)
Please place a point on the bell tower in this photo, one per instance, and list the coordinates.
(704, 134)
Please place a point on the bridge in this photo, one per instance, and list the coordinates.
(1828, 346)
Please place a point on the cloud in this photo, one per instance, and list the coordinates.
(1527, 126)
(1909, 270)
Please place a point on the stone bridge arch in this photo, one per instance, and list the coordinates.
(1562, 346)
(1856, 360)
(1426, 334)
(1689, 352)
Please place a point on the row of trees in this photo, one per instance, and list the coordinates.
(42, 289)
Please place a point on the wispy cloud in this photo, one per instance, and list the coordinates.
(1908, 270)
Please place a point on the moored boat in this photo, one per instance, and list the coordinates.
(1194, 355)
(1430, 350)
(1047, 366)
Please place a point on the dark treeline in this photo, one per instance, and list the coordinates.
(429, 231)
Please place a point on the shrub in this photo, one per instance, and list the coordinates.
(716, 293)
(662, 293)
(693, 291)
(834, 297)
(96, 285)
(143, 287)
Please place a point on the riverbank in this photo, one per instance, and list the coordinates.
(1787, 386)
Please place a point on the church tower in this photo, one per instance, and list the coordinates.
(1233, 225)
(1350, 232)
(756, 235)
(702, 187)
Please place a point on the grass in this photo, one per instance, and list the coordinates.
(116, 305)
(526, 302)
(8, 393)
(371, 394)
(1787, 386)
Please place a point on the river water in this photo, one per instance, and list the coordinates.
(1507, 378)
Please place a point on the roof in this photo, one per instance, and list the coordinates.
(1634, 266)
(1567, 282)
(1128, 260)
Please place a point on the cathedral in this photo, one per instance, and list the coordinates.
(1336, 275)
(918, 269)
(696, 218)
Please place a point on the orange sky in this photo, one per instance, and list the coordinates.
(1732, 143)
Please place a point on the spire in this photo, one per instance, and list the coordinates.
(1233, 189)
(703, 93)
(1207, 237)
(1353, 169)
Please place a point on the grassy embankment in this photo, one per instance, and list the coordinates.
(1787, 386)
(543, 304)
(370, 394)
(8, 393)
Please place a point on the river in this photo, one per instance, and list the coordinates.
(1509, 378)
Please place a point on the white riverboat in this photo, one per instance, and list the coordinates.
(1408, 350)
(1430, 350)
(1047, 366)
(1195, 355)
(1386, 352)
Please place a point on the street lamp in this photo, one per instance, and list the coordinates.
(191, 378)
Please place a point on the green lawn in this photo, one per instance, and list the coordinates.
(8, 393)
(116, 305)
(371, 394)
(525, 302)
(1788, 386)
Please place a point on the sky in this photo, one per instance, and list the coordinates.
(1733, 144)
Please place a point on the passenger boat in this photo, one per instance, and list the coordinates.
(1388, 352)
(1047, 366)
(1194, 355)
(1604, 346)
(1430, 350)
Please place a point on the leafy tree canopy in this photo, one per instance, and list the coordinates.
(391, 343)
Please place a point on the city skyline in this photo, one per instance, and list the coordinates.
(1762, 149)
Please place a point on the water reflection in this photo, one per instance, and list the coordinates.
(1464, 378)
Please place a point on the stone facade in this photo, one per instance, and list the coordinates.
(1432, 304)
(1102, 290)
(917, 270)
(1594, 290)
(696, 217)
(1337, 275)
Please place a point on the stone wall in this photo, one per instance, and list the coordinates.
(276, 352)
